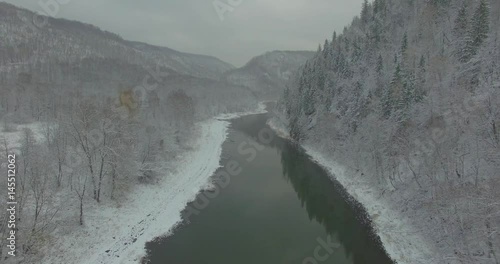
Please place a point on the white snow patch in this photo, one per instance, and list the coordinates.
(14, 138)
(279, 128)
(401, 241)
(261, 109)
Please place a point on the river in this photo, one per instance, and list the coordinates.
(271, 204)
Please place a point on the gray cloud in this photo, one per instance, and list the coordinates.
(252, 28)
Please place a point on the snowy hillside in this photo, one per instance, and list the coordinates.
(65, 57)
(27, 38)
(192, 64)
(267, 75)
(407, 101)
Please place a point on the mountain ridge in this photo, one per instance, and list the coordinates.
(104, 44)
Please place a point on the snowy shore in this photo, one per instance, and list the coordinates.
(118, 234)
(113, 235)
(402, 243)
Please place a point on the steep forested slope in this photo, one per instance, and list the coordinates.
(408, 97)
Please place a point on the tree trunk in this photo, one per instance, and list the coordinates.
(81, 211)
(101, 176)
(495, 132)
(113, 181)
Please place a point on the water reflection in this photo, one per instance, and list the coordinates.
(273, 212)
(325, 205)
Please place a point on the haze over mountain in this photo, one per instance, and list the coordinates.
(195, 26)
(267, 75)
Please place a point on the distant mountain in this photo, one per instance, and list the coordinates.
(63, 40)
(192, 64)
(267, 75)
(67, 59)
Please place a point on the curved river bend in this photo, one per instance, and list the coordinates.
(272, 204)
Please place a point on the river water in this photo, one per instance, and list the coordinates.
(271, 204)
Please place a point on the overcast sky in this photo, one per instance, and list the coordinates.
(248, 28)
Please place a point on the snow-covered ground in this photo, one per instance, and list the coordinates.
(114, 234)
(401, 241)
(260, 110)
(13, 139)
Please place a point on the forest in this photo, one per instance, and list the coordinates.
(407, 98)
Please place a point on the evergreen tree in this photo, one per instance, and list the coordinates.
(308, 102)
(421, 64)
(404, 44)
(294, 128)
(396, 88)
(328, 102)
(356, 50)
(365, 11)
(380, 65)
(478, 32)
(480, 24)
(409, 94)
(379, 8)
(319, 74)
(376, 7)
(419, 93)
(387, 102)
(380, 70)
(326, 49)
(376, 30)
(391, 98)
(460, 33)
(461, 22)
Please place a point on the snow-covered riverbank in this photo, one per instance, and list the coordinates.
(401, 241)
(114, 234)
(118, 234)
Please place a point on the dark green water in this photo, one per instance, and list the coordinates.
(277, 207)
